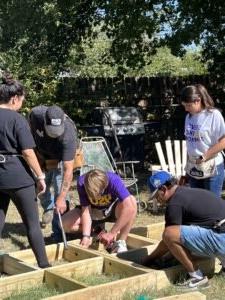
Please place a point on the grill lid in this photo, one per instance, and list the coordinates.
(120, 115)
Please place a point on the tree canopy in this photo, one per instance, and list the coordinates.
(37, 37)
(201, 22)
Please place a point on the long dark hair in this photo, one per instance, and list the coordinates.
(191, 93)
(9, 88)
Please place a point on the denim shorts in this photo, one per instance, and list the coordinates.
(202, 241)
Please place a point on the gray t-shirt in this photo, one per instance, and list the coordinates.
(202, 131)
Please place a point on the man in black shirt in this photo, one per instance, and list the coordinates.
(56, 141)
(191, 217)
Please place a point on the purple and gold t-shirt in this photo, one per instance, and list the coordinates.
(115, 190)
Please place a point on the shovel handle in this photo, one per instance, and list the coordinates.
(62, 229)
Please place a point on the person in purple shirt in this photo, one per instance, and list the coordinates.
(103, 198)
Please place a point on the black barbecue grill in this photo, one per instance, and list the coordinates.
(123, 129)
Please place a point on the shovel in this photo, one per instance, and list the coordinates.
(62, 229)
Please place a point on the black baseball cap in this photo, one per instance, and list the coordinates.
(54, 121)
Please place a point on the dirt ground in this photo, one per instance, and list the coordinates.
(14, 234)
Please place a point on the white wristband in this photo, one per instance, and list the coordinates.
(40, 177)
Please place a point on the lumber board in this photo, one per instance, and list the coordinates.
(76, 252)
(115, 266)
(135, 241)
(152, 231)
(186, 296)
(113, 290)
(136, 255)
(61, 283)
(11, 284)
(54, 253)
(91, 265)
(13, 266)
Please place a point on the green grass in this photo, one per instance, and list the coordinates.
(214, 292)
(95, 279)
(34, 293)
(150, 294)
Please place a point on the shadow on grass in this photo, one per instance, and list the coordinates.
(13, 228)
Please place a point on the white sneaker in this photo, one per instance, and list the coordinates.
(119, 246)
(193, 284)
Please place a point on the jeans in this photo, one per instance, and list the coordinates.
(203, 241)
(53, 181)
(213, 184)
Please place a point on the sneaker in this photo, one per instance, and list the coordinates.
(118, 247)
(193, 284)
(47, 217)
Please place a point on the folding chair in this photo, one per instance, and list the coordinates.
(98, 156)
(174, 161)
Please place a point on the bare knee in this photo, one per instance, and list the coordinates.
(71, 220)
(171, 234)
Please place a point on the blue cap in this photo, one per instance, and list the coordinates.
(157, 180)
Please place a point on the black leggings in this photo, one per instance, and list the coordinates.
(26, 204)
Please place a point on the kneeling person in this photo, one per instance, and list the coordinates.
(191, 217)
(103, 198)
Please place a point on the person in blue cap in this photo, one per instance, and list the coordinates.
(194, 225)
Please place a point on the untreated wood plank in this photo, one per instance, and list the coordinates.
(91, 265)
(135, 241)
(11, 284)
(136, 255)
(54, 252)
(76, 252)
(116, 266)
(153, 231)
(13, 266)
(113, 290)
(61, 283)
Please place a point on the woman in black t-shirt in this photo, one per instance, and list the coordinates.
(17, 159)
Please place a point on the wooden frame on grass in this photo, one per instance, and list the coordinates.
(55, 253)
(153, 231)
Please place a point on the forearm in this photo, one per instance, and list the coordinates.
(67, 179)
(86, 221)
(31, 159)
(160, 250)
(212, 151)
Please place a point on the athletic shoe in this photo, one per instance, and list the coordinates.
(47, 217)
(193, 284)
(118, 247)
